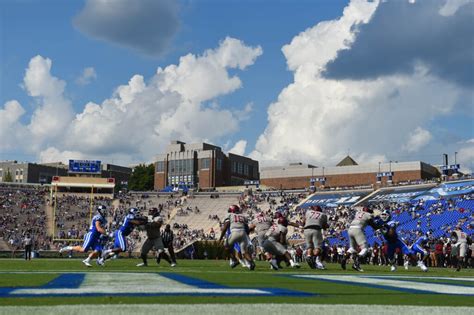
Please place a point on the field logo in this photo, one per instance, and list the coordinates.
(137, 284)
(411, 284)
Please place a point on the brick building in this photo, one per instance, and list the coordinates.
(24, 172)
(348, 173)
(202, 165)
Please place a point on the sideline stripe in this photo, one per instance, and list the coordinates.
(234, 309)
(393, 284)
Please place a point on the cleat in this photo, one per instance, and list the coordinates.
(296, 265)
(173, 265)
(310, 262)
(252, 265)
(356, 267)
(234, 264)
(273, 265)
(99, 262)
(422, 266)
(320, 266)
(393, 268)
(343, 264)
(405, 265)
(142, 265)
(85, 262)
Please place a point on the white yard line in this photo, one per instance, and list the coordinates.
(395, 283)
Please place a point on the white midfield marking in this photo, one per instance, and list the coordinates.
(397, 284)
(134, 283)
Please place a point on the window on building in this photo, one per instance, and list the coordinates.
(240, 168)
(219, 164)
(160, 166)
(234, 167)
(246, 170)
(205, 163)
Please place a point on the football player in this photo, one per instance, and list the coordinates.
(260, 225)
(237, 223)
(132, 219)
(315, 220)
(92, 237)
(275, 244)
(154, 239)
(357, 238)
(460, 239)
(389, 232)
(419, 247)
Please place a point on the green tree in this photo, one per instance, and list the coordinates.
(142, 178)
(8, 177)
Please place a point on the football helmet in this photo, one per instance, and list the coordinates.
(317, 208)
(385, 216)
(102, 210)
(278, 215)
(234, 209)
(133, 211)
(283, 221)
(367, 209)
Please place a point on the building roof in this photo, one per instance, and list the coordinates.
(347, 161)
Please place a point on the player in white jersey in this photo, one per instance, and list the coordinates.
(275, 244)
(260, 225)
(460, 240)
(238, 225)
(357, 238)
(314, 222)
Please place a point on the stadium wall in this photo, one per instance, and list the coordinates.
(299, 176)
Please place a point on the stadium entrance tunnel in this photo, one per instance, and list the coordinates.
(408, 284)
(138, 284)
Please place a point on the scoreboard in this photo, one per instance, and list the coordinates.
(85, 166)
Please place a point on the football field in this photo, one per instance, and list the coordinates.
(207, 286)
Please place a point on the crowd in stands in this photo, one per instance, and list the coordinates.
(23, 212)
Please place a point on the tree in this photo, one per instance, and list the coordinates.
(142, 178)
(8, 177)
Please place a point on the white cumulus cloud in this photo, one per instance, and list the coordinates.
(418, 139)
(239, 147)
(87, 76)
(140, 117)
(318, 118)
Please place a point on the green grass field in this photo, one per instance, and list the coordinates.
(125, 276)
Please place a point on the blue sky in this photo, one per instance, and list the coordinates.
(285, 90)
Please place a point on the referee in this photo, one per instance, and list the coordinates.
(153, 238)
(28, 242)
(167, 236)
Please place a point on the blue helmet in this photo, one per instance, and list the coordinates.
(133, 211)
(385, 216)
(102, 210)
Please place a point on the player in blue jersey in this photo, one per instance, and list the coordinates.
(419, 247)
(130, 221)
(389, 232)
(92, 238)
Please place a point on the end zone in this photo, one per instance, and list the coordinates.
(138, 284)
